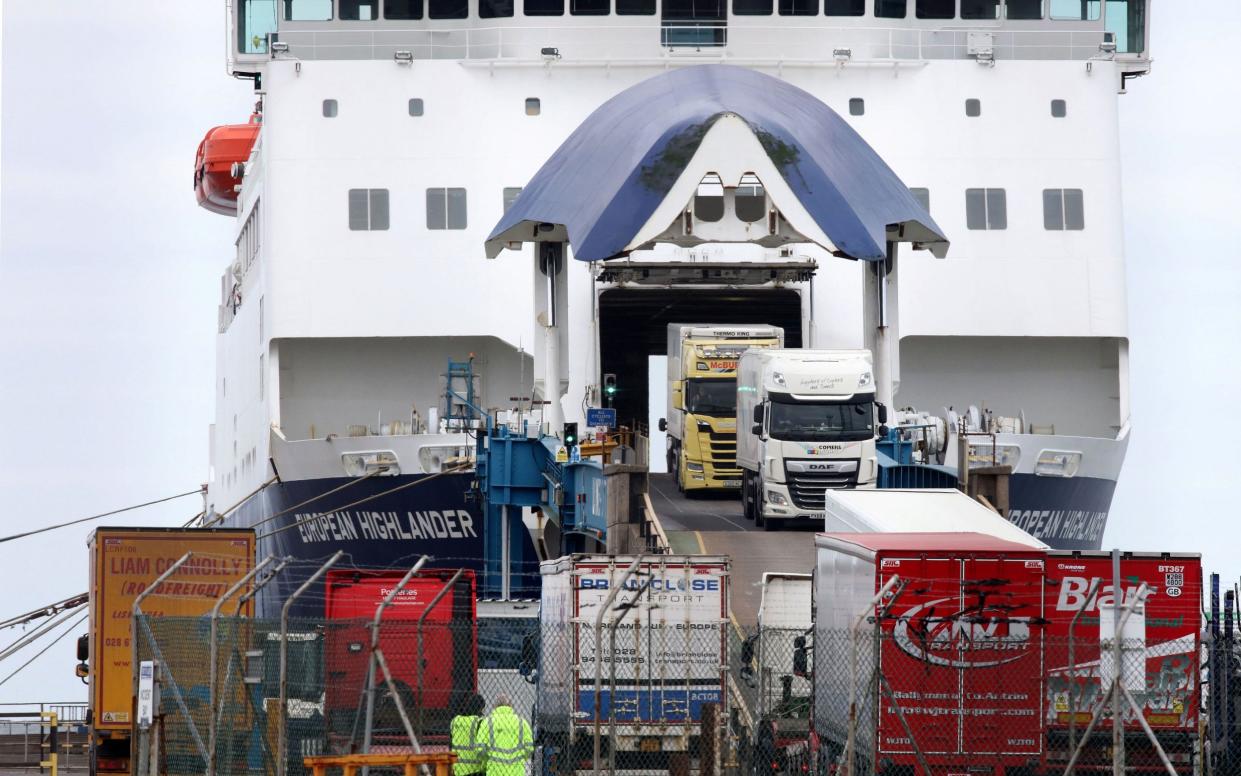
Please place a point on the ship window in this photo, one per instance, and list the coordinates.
(510, 196)
(1059, 109)
(935, 9)
(445, 208)
(980, 9)
(924, 198)
(1024, 9)
(799, 7)
(635, 7)
(544, 7)
(415, 106)
(986, 209)
(857, 106)
(402, 9)
(844, 7)
(1075, 10)
(307, 10)
(1062, 209)
(359, 10)
(750, 201)
(973, 108)
(329, 109)
(590, 7)
(709, 201)
(448, 9)
(751, 7)
(534, 106)
(256, 19)
(368, 209)
(495, 9)
(890, 9)
(1126, 20)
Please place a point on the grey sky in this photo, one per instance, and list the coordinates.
(110, 278)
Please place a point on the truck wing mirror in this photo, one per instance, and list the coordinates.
(663, 424)
(84, 647)
(801, 659)
(747, 650)
(881, 412)
(529, 657)
(81, 671)
(758, 414)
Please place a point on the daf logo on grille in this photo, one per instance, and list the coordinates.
(822, 467)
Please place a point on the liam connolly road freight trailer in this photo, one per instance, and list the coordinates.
(1160, 659)
(943, 674)
(660, 664)
(429, 638)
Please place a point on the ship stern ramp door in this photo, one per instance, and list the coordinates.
(712, 155)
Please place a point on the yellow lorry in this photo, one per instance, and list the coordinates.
(123, 563)
(702, 401)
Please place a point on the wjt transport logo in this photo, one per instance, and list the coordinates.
(980, 636)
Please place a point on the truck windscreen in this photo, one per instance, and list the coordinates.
(717, 398)
(822, 422)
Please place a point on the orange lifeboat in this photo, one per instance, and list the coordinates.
(214, 182)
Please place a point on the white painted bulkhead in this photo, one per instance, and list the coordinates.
(321, 281)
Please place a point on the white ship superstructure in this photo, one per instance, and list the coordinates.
(394, 135)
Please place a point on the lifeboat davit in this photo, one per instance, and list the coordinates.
(214, 181)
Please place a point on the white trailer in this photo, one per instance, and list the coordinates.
(806, 423)
(937, 510)
(630, 654)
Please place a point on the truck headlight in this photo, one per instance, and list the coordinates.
(776, 499)
(864, 379)
(693, 467)
(704, 427)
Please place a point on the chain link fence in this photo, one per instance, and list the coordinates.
(637, 695)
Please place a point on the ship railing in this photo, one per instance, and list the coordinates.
(737, 41)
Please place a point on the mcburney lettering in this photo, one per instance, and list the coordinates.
(393, 526)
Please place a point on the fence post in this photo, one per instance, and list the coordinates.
(851, 735)
(377, 661)
(282, 745)
(260, 584)
(1118, 728)
(1094, 590)
(421, 619)
(136, 612)
(607, 602)
(211, 671)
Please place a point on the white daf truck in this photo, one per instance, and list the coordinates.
(806, 422)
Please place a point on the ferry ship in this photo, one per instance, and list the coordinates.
(389, 137)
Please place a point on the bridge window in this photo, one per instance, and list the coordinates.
(857, 106)
(709, 201)
(1075, 10)
(544, 7)
(307, 10)
(511, 193)
(415, 106)
(534, 106)
(986, 209)
(924, 198)
(973, 108)
(448, 9)
(1059, 109)
(750, 201)
(495, 9)
(1024, 9)
(330, 109)
(368, 210)
(590, 7)
(402, 9)
(256, 19)
(980, 9)
(359, 10)
(635, 7)
(844, 7)
(890, 9)
(799, 7)
(751, 7)
(935, 9)
(445, 208)
(1126, 19)
(1062, 209)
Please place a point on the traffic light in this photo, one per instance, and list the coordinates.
(570, 435)
(609, 387)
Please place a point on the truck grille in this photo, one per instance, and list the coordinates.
(723, 452)
(807, 488)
